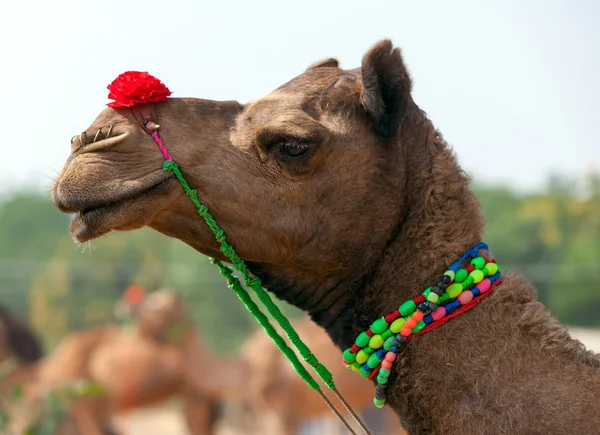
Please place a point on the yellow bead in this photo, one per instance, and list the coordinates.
(454, 290)
(361, 357)
(432, 297)
(477, 276)
(450, 273)
(354, 368)
(376, 342)
(492, 268)
(397, 325)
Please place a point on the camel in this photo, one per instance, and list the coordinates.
(274, 390)
(164, 358)
(20, 351)
(342, 197)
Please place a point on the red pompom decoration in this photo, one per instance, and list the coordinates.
(134, 87)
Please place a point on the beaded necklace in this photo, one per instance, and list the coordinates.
(375, 350)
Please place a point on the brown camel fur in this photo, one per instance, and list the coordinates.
(344, 199)
(281, 400)
(143, 368)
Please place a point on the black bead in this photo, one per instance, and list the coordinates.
(432, 305)
(442, 285)
(437, 290)
(380, 391)
(399, 341)
(446, 279)
(424, 308)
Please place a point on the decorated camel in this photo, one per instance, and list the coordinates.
(343, 199)
(164, 357)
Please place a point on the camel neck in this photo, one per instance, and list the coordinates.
(443, 219)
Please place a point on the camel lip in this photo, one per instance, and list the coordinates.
(85, 223)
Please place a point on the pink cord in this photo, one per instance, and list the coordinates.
(161, 145)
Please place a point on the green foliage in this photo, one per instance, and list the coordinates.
(553, 237)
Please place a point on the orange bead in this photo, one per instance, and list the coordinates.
(418, 316)
(411, 323)
(405, 331)
(386, 364)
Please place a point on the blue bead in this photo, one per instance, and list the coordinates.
(381, 353)
(366, 368)
(475, 292)
(427, 319)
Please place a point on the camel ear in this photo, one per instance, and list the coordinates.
(386, 87)
(331, 63)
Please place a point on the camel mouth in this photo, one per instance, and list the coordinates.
(93, 222)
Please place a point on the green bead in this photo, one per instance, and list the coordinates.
(349, 357)
(419, 327)
(364, 373)
(478, 262)
(407, 308)
(454, 290)
(384, 372)
(380, 403)
(492, 268)
(397, 325)
(460, 275)
(376, 342)
(356, 367)
(427, 291)
(368, 350)
(444, 297)
(387, 334)
(373, 361)
(432, 297)
(381, 379)
(379, 326)
(362, 357)
(477, 276)
(389, 343)
(362, 340)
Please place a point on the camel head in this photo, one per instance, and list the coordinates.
(300, 180)
(163, 315)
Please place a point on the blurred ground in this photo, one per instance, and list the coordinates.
(166, 420)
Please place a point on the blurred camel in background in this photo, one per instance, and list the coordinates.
(162, 357)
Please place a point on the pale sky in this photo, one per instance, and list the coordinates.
(513, 85)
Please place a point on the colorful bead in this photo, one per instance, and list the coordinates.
(379, 326)
(410, 323)
(387, 345)
(478, 262)
(362, 357)
(376, 342)
(448, 276)
(454, 290)
(364, 372)
(387, 334)
(460, 276)
(373, 361)
(406, 330)
(390, 356)
(492, 268)
(418, 327)
(418, 316)
(439, 313)
(396, 325)
(407, 308)
(363, 339)
(355, 368)
(432, 297)
(384, 372)
(386, 364)
(379, 403)
(465, 297)
(381, 379)
(349, 357)
(477, 276)
(368, 350)
(484, 285)
(438, 290)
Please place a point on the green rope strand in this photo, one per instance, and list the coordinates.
(263, 321)
(254, 283)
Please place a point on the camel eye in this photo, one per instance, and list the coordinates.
(294, 149)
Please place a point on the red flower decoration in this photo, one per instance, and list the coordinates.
(134, 87)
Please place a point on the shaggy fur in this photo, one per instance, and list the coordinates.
(370, 214)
